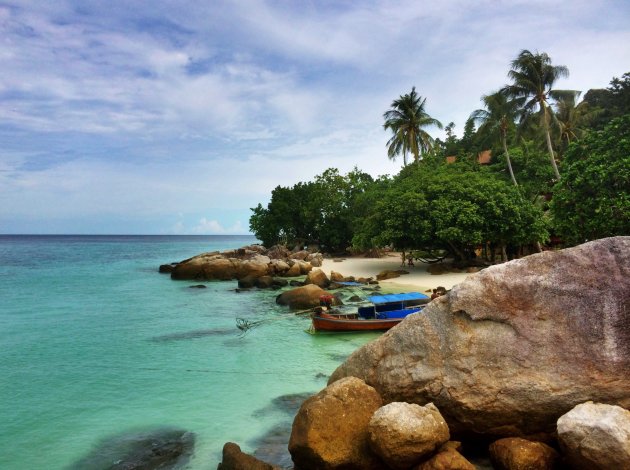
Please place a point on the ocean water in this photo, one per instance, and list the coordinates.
(95, 344)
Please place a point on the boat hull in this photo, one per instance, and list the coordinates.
(329, 323)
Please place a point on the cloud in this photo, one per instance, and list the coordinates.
(206, 226)
(132, 109)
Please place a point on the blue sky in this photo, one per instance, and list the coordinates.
(176, 117)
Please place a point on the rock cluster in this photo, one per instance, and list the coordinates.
(532, 356)
(347, 426)
(514, 347)
(251, 261)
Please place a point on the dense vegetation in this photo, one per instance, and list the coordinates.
(560, 169)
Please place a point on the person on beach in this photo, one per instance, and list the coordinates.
(410, 260)
(435, 294)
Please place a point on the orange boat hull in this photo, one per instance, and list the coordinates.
(327, 322)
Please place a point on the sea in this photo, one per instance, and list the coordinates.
(97, 347)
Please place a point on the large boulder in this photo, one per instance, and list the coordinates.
(317, 277)
(331, 428)
(516, 453)
(403, 434)
(301, 297)
(279, 266)
(207, 268)
(595, 436)
(514, 347)
(316, 259)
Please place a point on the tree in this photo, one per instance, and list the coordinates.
(497, 119)
(572, 118)
(592, 200)
(611, 102)
(452, 208)
(321, 211)
(533, 78)
(406, 120)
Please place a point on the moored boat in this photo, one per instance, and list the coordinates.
(383, 313)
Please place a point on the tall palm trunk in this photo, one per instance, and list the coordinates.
(548, 136)
(509, 162)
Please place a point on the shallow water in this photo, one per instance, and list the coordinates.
(96, 343)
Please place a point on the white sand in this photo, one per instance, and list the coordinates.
(418, 278)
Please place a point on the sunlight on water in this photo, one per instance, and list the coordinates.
(95, 344)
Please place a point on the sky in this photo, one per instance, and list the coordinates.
(177, 117)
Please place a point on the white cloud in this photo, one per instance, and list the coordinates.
(153, 108)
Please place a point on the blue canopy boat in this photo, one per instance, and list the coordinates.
(383, 312)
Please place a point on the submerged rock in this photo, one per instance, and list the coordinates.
(514, 347)
(158, 449)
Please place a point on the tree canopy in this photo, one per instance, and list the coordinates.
(516, 200)
(592, 200)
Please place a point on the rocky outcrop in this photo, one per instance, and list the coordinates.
(251, 261)
(403, 434)
(595, 436)
(514, 347)
(235, 459)
(515, 453)
(330, 429)
(301, 297)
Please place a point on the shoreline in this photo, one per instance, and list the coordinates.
(417, 279)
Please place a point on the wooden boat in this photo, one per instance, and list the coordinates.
(383, 313)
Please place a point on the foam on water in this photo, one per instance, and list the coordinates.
(95, 343)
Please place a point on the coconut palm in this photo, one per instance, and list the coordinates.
(533, 78)
(572, 118)
(406, 119)
(499, 116)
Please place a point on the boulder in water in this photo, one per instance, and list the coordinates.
(331, 428)
(301, 297)
(235, 459)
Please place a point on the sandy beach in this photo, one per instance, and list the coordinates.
(418, 278)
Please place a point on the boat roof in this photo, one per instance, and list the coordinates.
(384, 299)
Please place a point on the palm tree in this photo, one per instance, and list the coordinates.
(406, 119)
(500, 114)
(572, 118)
(533, 77)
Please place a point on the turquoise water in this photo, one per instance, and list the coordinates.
(95, 343)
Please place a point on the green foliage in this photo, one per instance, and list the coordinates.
(592, 200)
(452, 208)
(531, 166)
(321, 211)
(611, 102)
(407, 119)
